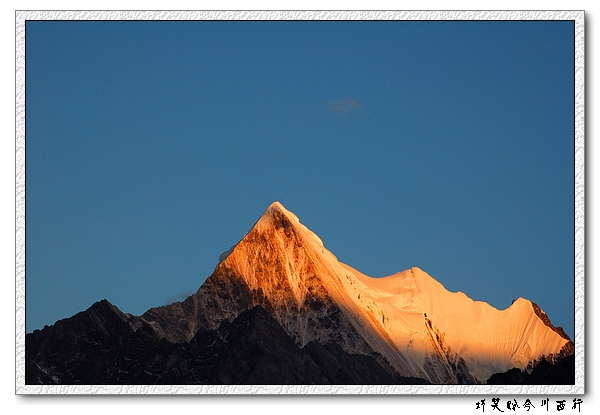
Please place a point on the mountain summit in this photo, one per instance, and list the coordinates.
(408, 324)
(409, 318)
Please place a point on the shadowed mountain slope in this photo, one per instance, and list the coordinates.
(324, 314)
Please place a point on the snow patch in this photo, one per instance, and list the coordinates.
(408, 317)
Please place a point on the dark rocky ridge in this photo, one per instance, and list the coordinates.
(98, 346)
(545, 372)
(273, 311)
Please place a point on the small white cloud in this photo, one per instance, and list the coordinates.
(344, 106)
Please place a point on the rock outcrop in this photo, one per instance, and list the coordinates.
(280, 308)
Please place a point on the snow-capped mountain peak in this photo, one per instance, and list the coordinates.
(408, 318)
(280, 307)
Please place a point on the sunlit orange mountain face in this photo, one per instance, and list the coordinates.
(281, 309)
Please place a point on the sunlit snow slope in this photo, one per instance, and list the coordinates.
(419, 314)
(409, 318)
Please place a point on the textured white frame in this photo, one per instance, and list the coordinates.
(579, 198)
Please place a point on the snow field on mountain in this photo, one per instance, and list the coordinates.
(408, 317)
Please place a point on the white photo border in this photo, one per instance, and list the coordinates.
(579, 198)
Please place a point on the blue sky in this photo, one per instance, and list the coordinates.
(152, 147)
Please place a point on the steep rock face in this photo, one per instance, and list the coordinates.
(398, 329)
(408, 318)
(254, 349)
(283, 267)
(98, 347)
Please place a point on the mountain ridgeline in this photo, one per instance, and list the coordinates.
(280, 308)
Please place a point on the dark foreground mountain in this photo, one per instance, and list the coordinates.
(98, 346)
(281, 309)
(545, 372)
